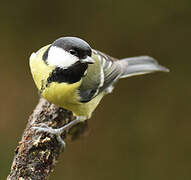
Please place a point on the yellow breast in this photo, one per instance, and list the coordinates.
(66, 96)
(62, 94)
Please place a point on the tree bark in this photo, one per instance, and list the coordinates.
(37, 152)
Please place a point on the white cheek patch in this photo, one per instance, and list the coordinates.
(61, 58)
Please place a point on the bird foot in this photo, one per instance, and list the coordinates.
(57, 132)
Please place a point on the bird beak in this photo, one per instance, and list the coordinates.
(88, 60)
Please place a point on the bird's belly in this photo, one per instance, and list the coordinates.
(66, 96)
(86, 109)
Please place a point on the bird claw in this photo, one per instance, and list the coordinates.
(42, 127)
(57, 132)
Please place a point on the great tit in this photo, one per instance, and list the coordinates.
(72, 75)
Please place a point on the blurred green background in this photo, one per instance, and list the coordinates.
(140, 132)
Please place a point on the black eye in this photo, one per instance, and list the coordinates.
(73, 52)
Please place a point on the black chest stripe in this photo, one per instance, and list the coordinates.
(70, 75)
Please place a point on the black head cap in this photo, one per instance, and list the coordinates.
(74, 45)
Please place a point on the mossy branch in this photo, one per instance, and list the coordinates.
(37, 152)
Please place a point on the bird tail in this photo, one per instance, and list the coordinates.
(140, 65)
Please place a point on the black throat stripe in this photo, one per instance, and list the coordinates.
(70, 75)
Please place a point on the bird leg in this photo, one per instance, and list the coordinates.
(57, 132)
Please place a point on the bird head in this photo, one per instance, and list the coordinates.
(66, 52)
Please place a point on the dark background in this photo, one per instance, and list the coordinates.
(142, 130)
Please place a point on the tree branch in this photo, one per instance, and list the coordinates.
(37, 152)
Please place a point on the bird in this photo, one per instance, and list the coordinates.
(74, 76)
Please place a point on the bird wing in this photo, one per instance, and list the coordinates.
(100, 75)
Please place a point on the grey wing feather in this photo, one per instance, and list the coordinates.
(100, 76)
(112, 72)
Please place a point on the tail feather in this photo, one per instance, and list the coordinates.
(140, 65)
